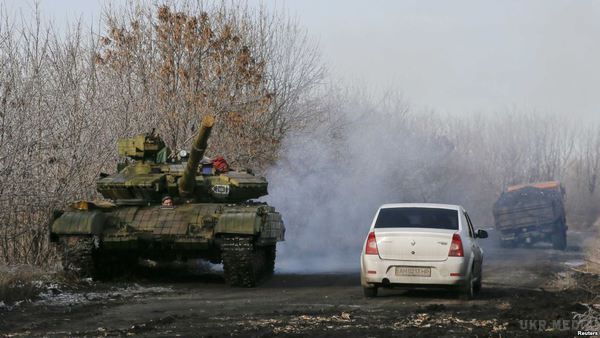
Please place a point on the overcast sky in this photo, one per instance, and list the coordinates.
(450, 56)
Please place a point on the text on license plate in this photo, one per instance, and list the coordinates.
(413, 271)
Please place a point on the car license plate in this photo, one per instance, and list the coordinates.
(413, 271)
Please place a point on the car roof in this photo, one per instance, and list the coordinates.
(422, 205)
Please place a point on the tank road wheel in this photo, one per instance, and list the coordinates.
(77, 256)
(244, 263)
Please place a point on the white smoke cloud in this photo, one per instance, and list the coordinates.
(330, 180)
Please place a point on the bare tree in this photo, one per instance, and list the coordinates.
(258, 72)
(589, 158)
(66, 98)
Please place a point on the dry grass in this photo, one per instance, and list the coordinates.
(593, 259)
(563, 281)
(589, 320)
(19, 283)
(589, 281)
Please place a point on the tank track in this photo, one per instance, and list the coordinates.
(81, 258)
(270, 252)
(77, 256)
(109, 266)
(245, 263)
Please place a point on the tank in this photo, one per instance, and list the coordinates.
(165, 207)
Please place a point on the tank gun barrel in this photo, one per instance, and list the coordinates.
(188, 181)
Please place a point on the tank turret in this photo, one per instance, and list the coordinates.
(150, 173)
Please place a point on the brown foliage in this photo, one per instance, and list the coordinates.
(201, 64)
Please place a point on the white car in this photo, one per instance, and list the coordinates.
(418, 245)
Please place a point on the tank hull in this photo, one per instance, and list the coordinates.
(210, 231)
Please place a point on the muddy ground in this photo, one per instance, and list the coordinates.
(523, 295)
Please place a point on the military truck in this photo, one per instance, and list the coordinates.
(530, 213)
(210, 215)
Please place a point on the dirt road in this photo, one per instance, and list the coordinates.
(519, 298)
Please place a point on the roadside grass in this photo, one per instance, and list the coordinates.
(21, 283)
(590, 319)
(593, 258)
(588, 280)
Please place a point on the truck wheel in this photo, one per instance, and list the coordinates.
(559, 240)
(370, 292)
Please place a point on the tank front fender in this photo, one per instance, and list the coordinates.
(247, 223)
(79, 223)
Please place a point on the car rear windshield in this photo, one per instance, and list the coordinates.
(431, 218)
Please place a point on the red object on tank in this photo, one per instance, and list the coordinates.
(220, 165)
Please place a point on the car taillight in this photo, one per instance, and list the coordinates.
(456, 247)
(371, 248)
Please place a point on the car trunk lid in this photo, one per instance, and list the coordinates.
(414, 244)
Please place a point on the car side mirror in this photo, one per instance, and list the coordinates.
(482, 234)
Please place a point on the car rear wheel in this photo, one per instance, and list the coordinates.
(467, 291)
(477, 286)
(370, 292)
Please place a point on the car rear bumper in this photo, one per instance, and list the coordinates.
(379, 272)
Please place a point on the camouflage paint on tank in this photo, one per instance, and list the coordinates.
(213, 218)
(79, 223)
(187, 223)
